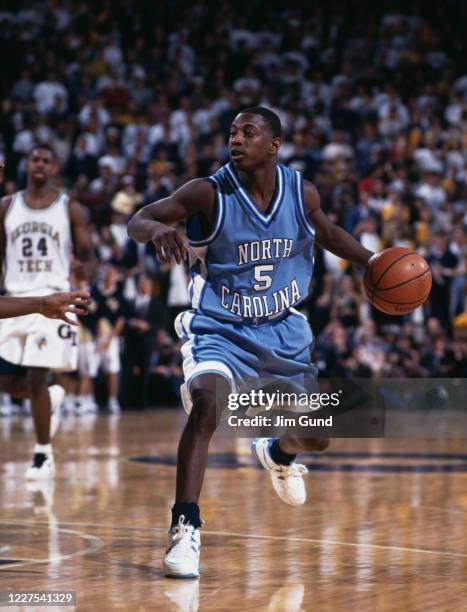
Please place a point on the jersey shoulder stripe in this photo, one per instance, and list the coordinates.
(301, 203)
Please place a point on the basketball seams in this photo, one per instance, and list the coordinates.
(390, 266)
(406, 281)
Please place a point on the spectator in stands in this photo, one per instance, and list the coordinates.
(374, 113)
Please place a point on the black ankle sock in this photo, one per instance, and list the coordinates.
(189, 510)
(278, 455)
(39, 459)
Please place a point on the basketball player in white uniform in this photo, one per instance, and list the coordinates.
(37, 227)
(55, 306)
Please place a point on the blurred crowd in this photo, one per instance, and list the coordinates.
(136, 98)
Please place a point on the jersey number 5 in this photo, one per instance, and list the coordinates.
(264, 280)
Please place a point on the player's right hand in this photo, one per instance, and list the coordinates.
(171, 246)
(57, 305)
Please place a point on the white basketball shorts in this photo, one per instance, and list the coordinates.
(36, 341)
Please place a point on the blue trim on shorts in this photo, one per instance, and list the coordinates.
(218, 372)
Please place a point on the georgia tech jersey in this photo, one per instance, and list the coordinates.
(255, 265)
(38, 246)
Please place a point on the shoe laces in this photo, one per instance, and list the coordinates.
(182, 530)
(294, 469)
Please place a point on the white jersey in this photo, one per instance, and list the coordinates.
(38, 247)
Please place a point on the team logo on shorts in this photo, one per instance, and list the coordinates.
(66, 333)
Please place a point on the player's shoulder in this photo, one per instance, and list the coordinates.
(197, 196)
(78, 213)
(198, 187)
(310, 195)
(5, 204)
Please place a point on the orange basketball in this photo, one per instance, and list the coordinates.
(397, 280)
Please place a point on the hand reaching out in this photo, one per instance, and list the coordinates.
(57, 305)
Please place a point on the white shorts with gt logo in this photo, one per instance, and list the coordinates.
(36, 341)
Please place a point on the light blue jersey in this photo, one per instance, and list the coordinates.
(255, 266)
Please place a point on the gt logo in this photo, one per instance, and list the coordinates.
(65, 332)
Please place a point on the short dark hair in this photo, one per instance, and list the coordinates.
(269, 116)
(42, 145)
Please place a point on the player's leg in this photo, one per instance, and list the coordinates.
(206, 390)
(112, 386)
(88, 366)
(182, 556)
(45, 401)
(111, 367)
(86, 399)
(290, 350)
(40, 403)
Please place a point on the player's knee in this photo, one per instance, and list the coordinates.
(203, 414)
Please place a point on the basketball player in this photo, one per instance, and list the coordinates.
(251, 228)
(36, 230)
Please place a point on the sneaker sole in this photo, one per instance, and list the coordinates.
(170, 574)
(182, 576)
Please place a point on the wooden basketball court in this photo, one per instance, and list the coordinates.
(384, 527)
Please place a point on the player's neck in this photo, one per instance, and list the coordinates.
(260, 181)
(39, 193)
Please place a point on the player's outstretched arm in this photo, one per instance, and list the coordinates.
(55, 306)
(330, 236)
(152, 222)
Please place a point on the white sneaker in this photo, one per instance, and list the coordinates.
(287, 480)
(182, 556)
(113, 405)
(81, 405)
(69, 403)
(57, 395)
(91, 404)
(42, 468)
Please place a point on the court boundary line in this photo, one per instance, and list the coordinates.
(403, 549)
(96, 544)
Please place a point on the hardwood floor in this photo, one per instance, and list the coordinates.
(384, 527)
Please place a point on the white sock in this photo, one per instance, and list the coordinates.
(46, 449)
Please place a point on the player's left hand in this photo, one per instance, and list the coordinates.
(57, 305)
